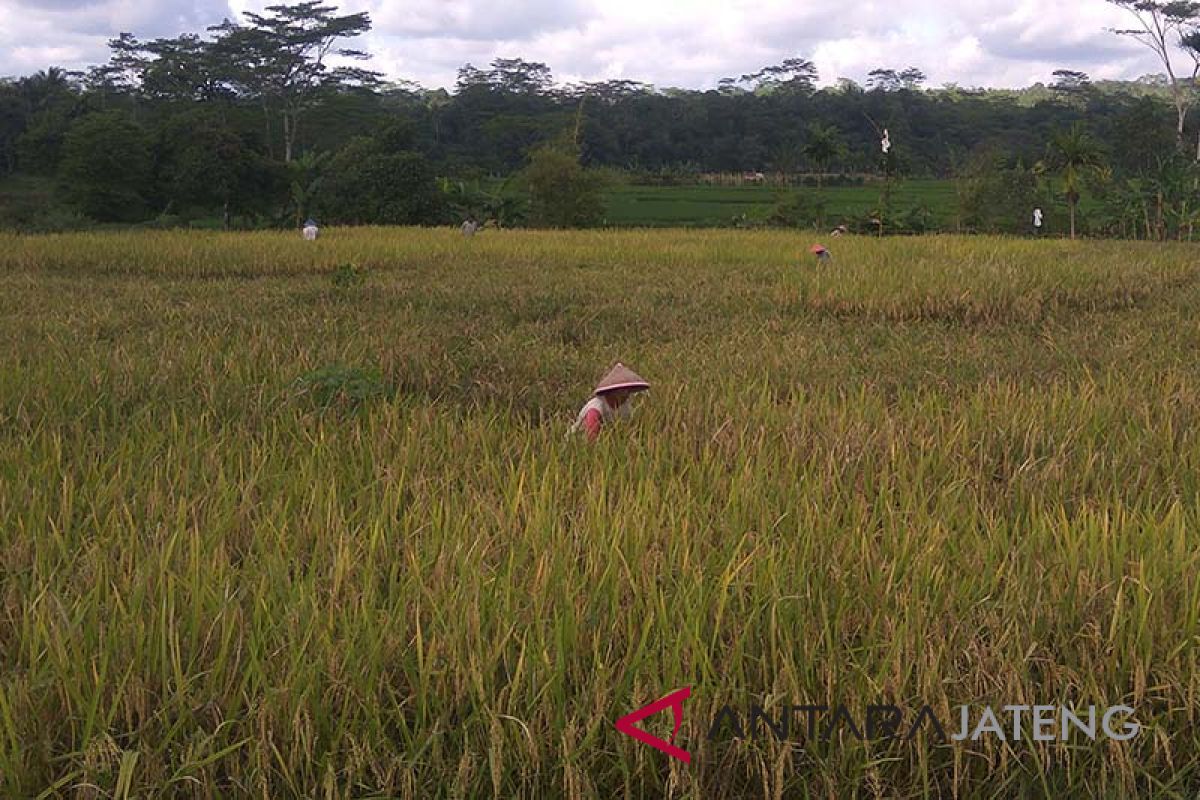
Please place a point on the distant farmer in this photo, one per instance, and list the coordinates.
(610, 401)
(1037, 221)
(470, 227)
(311, 230)
(840, 230)
(823, 255)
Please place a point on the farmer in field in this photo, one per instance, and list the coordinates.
(1037, 222)
(310, 230)
(470, 227)
(610, 401)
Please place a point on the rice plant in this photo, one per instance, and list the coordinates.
(941, 471)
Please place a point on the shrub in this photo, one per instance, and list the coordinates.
(796, 210)
(562, 193)
(51, 219)
(347, 275)
(339, 385)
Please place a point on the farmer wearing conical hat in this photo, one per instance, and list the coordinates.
(610, 400)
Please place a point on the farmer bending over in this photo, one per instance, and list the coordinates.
(610, 400)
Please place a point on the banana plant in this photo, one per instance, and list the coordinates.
(307, 177)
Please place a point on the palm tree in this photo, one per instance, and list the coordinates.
(435, 102)
(1076, 157)
(45, 88)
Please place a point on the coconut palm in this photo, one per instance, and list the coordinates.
(44, 86)
(1076, 157)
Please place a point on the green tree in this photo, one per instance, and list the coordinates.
(183, 68)
(889, 80)
(51, 102)
(510, 75)
(106, 166)
(306, 176)
(1072, 86)
(1166, 26)
(369, 183)
(562, 194)
(12, 125)
(206, 164)
(1171, 185)
(499, 205)
(797, 209)
(793, 76)
(1141, 133)
(281, 59)
(1077, 158)
(996, 195)
(822, 146)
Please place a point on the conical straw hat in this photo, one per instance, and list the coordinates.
(621, 377)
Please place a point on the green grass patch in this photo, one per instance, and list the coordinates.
(716, 206)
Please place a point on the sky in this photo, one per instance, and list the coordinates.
(680, 43)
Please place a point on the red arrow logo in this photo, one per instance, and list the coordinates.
(627, 724)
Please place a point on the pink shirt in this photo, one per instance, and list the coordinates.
(595, 414)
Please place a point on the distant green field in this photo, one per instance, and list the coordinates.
(708, 206)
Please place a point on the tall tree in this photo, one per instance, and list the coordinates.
(184, 68)
(1071, 84)
(912, 78)
(12, 125)
(793, 75)
(281, 57)
(1076, 157)
(51, 101)
(889, 80)
(1167, 26)
(512, 75)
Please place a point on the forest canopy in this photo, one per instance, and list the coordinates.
(264, 120)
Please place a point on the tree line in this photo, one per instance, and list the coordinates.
(276, 117)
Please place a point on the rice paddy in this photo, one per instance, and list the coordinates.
(288, 519)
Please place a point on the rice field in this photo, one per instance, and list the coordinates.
(281, 519)
(719, 206)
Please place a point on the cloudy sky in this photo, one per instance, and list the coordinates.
(690, 43)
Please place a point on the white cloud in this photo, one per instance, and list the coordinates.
(666, 42)
(35, 34)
